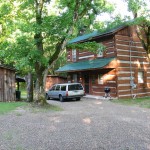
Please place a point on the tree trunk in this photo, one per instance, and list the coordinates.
(39, 90)
(30, 87)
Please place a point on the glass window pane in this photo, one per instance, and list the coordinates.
(74, 55)
(100, 79)
(75, 87)
(63, 88)
(140, 77)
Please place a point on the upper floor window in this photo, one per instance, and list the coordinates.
(100, 53)
(100, 50)
(74, 55)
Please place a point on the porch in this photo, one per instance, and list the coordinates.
(94, 75)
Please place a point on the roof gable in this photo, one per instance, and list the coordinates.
(96, 34)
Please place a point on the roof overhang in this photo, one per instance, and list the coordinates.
(19, 79)
(7, 67)
(89, 65)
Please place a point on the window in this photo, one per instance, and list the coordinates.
(75, 87)
(57, 87)
(74, 77)
(53, 88)
(100, 79)
(63, 88)
(100, 50)
(74, 55)
(140, 77)
(100, 53)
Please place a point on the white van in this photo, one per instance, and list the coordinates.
(66, 91)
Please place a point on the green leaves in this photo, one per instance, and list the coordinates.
(90, 46)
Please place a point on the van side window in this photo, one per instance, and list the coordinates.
(63, 88)
(53, 88)
(57, 87)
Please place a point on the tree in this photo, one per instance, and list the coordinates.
(41, 32)
(141, 14)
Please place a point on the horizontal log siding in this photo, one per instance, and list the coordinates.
(139, 60)
(84, 55)
(109, 80)
(110, 48)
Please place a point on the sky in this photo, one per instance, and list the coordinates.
(121, 8)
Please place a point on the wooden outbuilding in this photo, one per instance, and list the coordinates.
(54, 79)
(7, 84)
(123, 66)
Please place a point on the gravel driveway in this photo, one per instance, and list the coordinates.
(88, 124)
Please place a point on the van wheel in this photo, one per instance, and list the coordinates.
(47, 97)
(61, 98)
(78, 99)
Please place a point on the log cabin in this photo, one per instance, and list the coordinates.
(7, 84)
(123, 66)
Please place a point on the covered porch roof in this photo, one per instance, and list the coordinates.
(86, 65)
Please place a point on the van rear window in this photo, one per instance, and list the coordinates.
(75, 87)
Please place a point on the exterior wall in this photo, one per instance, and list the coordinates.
(110, 51)
(109, 43)
(51, 80)
(7, 85)
(131, 58)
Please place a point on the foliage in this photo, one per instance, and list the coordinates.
(90, 46)
(141, 14)
(39, 31)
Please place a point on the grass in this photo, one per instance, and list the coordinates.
(141, 102)
(6, 107)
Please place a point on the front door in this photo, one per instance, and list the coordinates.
(86, 83)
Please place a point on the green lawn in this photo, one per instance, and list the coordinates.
(141, 102)
(6, 107)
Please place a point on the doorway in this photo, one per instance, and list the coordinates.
(86, 83)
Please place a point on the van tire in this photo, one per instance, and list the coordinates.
(61, 98)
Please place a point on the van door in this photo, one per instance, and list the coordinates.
(57, 91)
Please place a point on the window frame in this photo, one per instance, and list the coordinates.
(74, 55)
(140, 77)
(100, 79)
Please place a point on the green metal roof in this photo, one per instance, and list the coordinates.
(94, 34)
(85, 65)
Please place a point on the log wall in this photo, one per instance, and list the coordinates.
(131, 58)
(109, 79)
(87, 55)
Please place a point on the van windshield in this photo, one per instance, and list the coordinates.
(75, 87)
